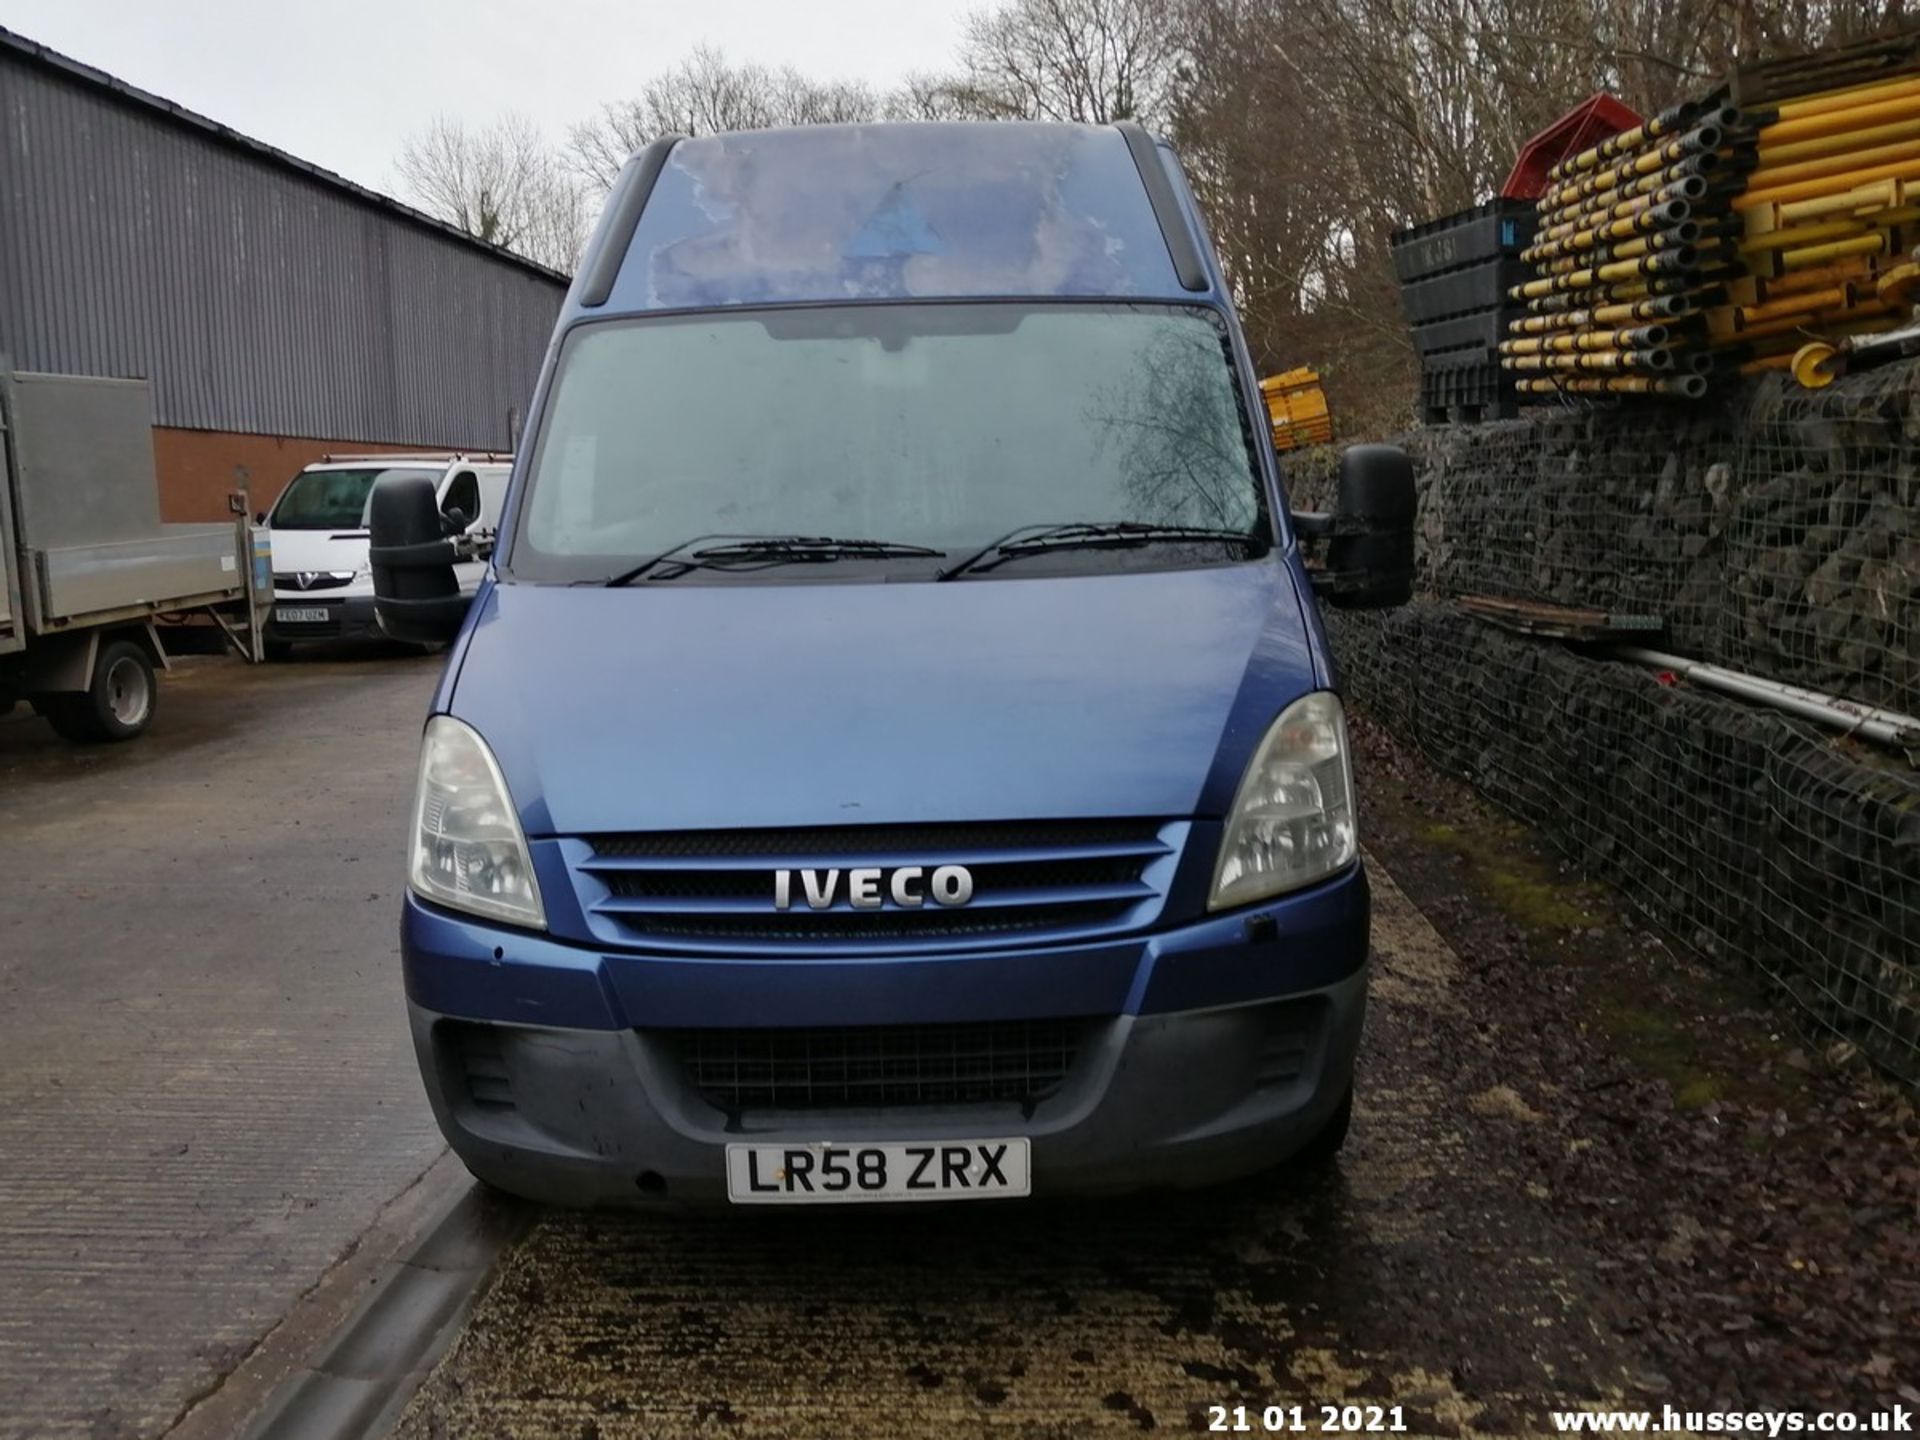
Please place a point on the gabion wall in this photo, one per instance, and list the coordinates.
(1780, 536)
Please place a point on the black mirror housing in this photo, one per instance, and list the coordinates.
(416, 595)
(1369, 534)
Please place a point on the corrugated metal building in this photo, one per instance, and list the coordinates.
(277, 309)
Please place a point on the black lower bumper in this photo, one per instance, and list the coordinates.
(347, 618)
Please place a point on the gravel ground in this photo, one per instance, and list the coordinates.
(1757, 1197)
(1425, 1273)
(1585, 1173)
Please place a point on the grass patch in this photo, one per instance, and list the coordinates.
(1536, 904)
(1657, 1040)
(1522, 885)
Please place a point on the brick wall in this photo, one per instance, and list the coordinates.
(198, 468)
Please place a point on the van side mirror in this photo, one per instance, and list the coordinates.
(416, 596)
(1368, 564)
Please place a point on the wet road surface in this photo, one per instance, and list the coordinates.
(206, 1086)
(1428, 1272)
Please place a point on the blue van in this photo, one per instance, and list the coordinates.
(894, 754)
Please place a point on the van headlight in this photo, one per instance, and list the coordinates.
(468, 852)
(1292, 818)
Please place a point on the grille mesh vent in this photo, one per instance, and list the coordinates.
(841, 1067)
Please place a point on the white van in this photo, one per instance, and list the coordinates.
(322, 584)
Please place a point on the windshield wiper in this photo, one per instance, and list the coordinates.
(758, 552)
(1089, 535)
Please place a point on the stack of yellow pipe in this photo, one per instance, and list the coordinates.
(1297, 409)
(1635, 240)
(1828, 214)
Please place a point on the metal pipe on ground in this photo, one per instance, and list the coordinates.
(1620, 292)
(1904, 106)
(1768, 177)
(1800, 236)
(1687, 232)
(1875, 197)
(1845, 97)
(1687, 387)
(1659, 219)
(1668, 121)
(1875, 244)
(1666, 263)
(1845, 143)
(1885, 727)
(1695, 143)
(1710, 166)
(1801, 302)
(1593, 360)
(1838, 273)
(1833, 184)
(1665, 307)
(1688, 189)
(1645, 337)
(1802, 327)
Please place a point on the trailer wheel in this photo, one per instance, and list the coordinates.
(119, 703)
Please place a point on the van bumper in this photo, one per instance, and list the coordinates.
(607, 1114)
(347, 617)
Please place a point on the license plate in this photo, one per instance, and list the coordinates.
(300, 615)
(823, 1174)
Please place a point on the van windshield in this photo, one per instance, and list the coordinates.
(942, 426)
(332, 499)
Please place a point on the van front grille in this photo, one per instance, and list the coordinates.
(716, 889)
(863, 1066)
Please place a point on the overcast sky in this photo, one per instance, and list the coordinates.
(342, 82)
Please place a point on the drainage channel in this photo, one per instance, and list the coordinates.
(361, 1379)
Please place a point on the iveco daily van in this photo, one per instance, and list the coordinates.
(894, 755)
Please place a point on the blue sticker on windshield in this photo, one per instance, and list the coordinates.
(896, 228)
(860, 212)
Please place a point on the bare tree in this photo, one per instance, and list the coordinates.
(501, 183)
(707, 93)
(923, 96)
(1314, 128)
(1311, 128)
(1094, 61)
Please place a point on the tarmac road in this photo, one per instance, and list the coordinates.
(207, 1091)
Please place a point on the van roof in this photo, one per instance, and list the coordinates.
(896, 211)
(438, 457)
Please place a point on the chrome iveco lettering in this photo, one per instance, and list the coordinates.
(869, 888)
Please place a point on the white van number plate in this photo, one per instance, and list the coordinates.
(822, 1174)
(293, 615)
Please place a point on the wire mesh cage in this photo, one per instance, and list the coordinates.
(1757, 840)
(1779, 536)
(1824, 543)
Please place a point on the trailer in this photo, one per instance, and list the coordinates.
(86, 566)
